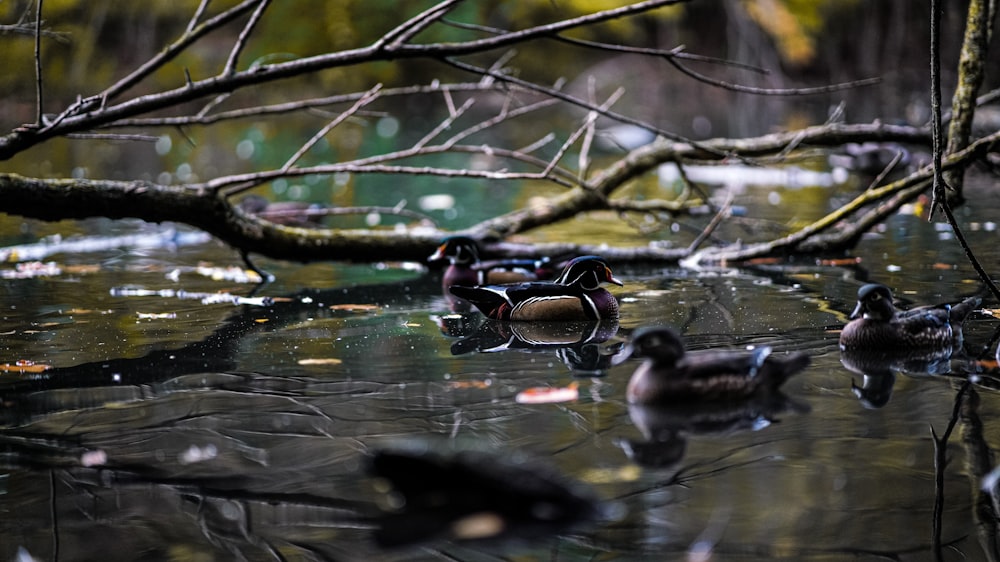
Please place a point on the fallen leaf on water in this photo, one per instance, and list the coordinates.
(471, 384)
(320, 361)
(943, 266)
(548, 395)
(840, 261)
(355, 307)
(261, 320)
(24, 366)
(82, 268)
(155, 315)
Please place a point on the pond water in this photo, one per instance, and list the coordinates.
(167, 428)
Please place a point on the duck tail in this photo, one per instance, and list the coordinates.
(962, 309)
(777, 368)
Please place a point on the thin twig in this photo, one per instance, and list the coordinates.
(406, 30)
(444, 124)
(241, 41)
(175, 48)
(938, 197)
(937, 192)
(200, 11)
(369, 97)
(772, 91)
(723, 213)
(39, 112)
(677, 51)
(591, 117)
(887, 170)
(505, 114)
(203, 118)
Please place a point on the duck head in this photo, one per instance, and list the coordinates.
(457, 250)
(588, 273)
(874, 303)
(661, 345)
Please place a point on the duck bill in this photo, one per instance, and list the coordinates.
(438, 254)
(612, 279)
(857, 312)
(623, 355)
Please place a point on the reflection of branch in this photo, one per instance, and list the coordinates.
(979, 463)
(940, 462)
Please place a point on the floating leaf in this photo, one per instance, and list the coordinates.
(155, 315)
(24, 366)
(321, 361)
(839, 261)
(355, 307)
(471, 384)
(548, 395)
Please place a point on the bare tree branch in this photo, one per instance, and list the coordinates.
(39, 99)
(241, 41)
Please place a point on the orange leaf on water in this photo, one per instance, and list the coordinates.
(24, 366)
(355, 307)
(548, 395)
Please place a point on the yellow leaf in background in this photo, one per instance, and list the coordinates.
(548, 395)
(320, 361)
(261, 320)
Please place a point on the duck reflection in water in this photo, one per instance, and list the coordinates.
(673, 393)
(472, 495)
(666, 427)
(579, 345)
(881, 341)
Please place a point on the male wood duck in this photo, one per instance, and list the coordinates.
(877, 325)
(575, 295)
(669, 375)
(467, 270)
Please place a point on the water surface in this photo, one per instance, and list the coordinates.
(171, 429)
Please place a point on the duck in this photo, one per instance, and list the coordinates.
(576, 295)
(669, 375)
(288, 213)
(876, 324)
(466, 269)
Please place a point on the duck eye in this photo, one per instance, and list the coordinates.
(876, 297)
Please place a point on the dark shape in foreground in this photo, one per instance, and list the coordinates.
(578, 344)
(575, 295)
(473, 495)
(668, 374)
(877, 325)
